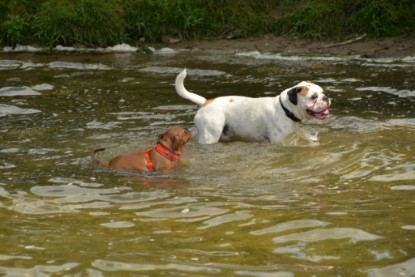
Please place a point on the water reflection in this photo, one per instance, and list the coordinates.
(333, 199)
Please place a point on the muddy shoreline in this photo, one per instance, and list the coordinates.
(396, 47)
(366, 47)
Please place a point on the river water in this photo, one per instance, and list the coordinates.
(336, 198)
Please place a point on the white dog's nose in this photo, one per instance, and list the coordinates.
(326, 99)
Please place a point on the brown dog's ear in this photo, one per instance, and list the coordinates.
(175, 143)
(160, 137)
(167, 140)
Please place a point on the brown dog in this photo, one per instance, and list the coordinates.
(162, 157)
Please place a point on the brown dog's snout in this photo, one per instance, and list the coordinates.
(187, 131)
(188, 134)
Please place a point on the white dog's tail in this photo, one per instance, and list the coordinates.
(181, 90)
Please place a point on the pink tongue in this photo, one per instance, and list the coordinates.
(322, 114)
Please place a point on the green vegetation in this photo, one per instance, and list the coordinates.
(103, 23)
(342, 18)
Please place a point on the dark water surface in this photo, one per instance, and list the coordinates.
(343, 205)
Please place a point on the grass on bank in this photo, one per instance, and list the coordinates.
(104, 23)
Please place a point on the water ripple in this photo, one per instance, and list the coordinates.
(406, 268)
(18, 91)
(353, 234)
(195, 72)
(219, 220)
(290, 225)
(74, 65)
(118, 224)
(39, 270)
(192, 211)
(13, 110)
(114, 266)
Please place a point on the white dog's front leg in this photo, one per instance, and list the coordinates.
(276, 134)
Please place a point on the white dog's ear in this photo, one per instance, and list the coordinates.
(292, 94)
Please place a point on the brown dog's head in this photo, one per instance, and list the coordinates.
(175, 138)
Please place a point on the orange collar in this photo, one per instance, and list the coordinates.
(168, 154)
(150, 165)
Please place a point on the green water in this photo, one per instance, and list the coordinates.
(339, 206)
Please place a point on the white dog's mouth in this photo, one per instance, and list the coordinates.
(319, 115)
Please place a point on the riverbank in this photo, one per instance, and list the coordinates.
(395, 47)
(401, 46)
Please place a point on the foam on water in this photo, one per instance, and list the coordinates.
(42, 87)
(10, 65)
(118, 48)
(74, 65)
(7, 166)
(175, 70)
(13, 110)
(175, 107)
(404, 187)
(154, 118)
(166, 50)
(9, 150)
(18, 91)
(101, 125)
(408, 227)
(22, 48)
(121, 48)
(400, 93)
(408, 61)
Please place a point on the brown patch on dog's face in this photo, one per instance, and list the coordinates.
(297, 91)
(175, 138)
(303, 91)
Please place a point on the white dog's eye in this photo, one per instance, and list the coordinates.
(314, 96)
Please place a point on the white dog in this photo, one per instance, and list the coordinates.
(255, 119)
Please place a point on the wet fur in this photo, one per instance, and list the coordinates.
(173, 139)
(267, 119)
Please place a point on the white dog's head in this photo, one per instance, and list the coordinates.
(309, 100)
